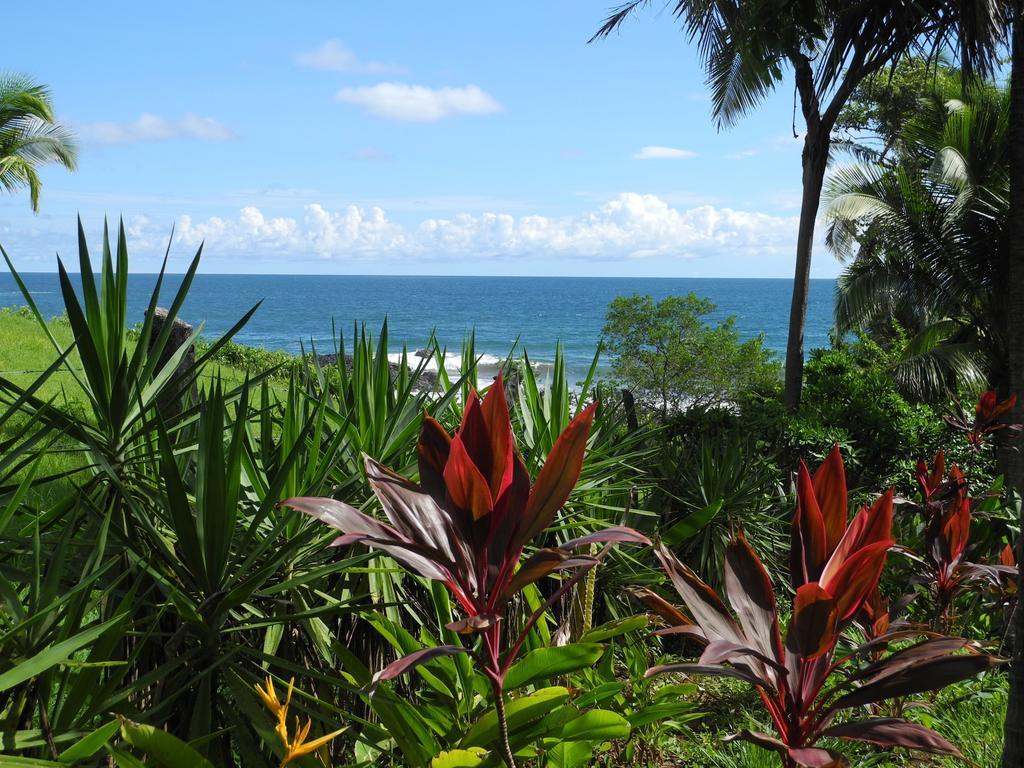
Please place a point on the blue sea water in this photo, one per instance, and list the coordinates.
(538, 311)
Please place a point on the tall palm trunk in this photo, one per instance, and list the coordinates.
(1013, 746)
(815, 159)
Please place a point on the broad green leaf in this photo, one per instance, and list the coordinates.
(546, 663)
(569, 754)
(519, 712)
(596, 725)
(615, 628)
(460, 758)
(692, 524)
(89, 745)
(166, 750)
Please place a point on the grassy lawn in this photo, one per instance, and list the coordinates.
(26, 353)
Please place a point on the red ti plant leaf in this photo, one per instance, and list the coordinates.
(467, 522)
(808, 551)
(894, 732)
(1006, 557)
(929, 480)
(805, 684)
(830, 490)
(988, 413)
(812, 632)
(412, 660)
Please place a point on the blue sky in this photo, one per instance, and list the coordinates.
(403, 138)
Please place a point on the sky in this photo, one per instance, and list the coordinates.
(402, 138)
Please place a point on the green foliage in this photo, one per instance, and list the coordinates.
(714, 484)
(30, 135)
(148, 578)
(925, 238)
(671, 356)
(251, 360)
(873, 121)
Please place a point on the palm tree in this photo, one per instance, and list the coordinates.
(30, 136)
(831, 46)
(926, 243)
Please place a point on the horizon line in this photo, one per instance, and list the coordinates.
(438, 276)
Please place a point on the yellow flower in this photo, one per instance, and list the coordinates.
(298, 746)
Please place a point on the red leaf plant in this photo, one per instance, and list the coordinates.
(801, 679)
(988, 414)
(467, 523)
(944, 568)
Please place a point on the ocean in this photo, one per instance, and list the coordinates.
(536, 311)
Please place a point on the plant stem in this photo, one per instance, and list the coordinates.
(499, 708)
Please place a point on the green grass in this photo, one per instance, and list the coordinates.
(26, 352)
(969, 714)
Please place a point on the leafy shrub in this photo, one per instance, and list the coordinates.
(803, 682)
(672, 357)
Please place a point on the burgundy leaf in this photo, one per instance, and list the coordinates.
(661, 607)
(812, 631)
(915, 654)
(763, 740)
(417, 514)
(808, 547)
(558, 476)
(707, 608)
(414, 659)
(722, 651)
(501, 442)
(752, 596)
(894, 732)
(615, 534)
(537, 566)
(857, 578)
(928, 675)
(432, 454)
(467, 487)
(830, 491)
(712, 670)
(813, 757)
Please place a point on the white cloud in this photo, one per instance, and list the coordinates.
(630, 225)
(742, 154)
(149, 127)
(663, 153)
(418, 103)
(332, 56)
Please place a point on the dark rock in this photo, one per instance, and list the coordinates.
(182, 384)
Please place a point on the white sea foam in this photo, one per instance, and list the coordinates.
(487, 364)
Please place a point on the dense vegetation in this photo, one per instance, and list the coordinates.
(162, 588)
(218, 556)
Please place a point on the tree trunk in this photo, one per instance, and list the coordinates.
(815, 160)
(1013, 746)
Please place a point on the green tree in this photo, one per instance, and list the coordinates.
(671, 356)
(30, 135)
(872, 125)
(924, 237)
(831, 46)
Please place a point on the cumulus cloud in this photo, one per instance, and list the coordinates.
(149, 127)
(630, 225)
(663, 153)
(418, 103)
(332, 56)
